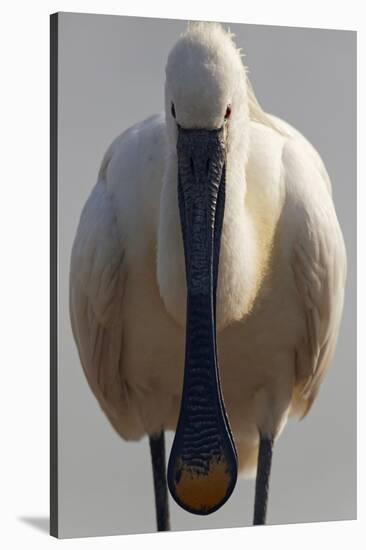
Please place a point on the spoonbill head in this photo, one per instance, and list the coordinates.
(204, 76)
(207, 279)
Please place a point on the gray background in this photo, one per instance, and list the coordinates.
(111, 75)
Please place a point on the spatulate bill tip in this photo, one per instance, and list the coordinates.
(202, 490)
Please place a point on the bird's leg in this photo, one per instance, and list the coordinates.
(157, 448)
(262, 480)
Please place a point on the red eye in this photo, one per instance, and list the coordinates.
(228, 112)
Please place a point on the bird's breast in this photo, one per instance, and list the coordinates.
(240, 265)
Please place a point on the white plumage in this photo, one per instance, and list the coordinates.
(282, 264)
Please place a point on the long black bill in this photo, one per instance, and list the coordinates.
(202, 468)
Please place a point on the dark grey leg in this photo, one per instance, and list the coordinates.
(157, 448)
(262, 481)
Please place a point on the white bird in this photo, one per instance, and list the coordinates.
(214, 194)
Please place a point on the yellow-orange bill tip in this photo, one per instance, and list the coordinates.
(203, 492)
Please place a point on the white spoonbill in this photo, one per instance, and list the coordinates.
(207, 279)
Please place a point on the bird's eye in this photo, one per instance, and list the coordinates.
(228, 112)
(173, 110)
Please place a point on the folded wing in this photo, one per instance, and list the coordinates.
(318, 263)
(97, 282)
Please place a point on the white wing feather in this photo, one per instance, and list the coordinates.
(98, 270)
(97, 278)
(318, 262)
